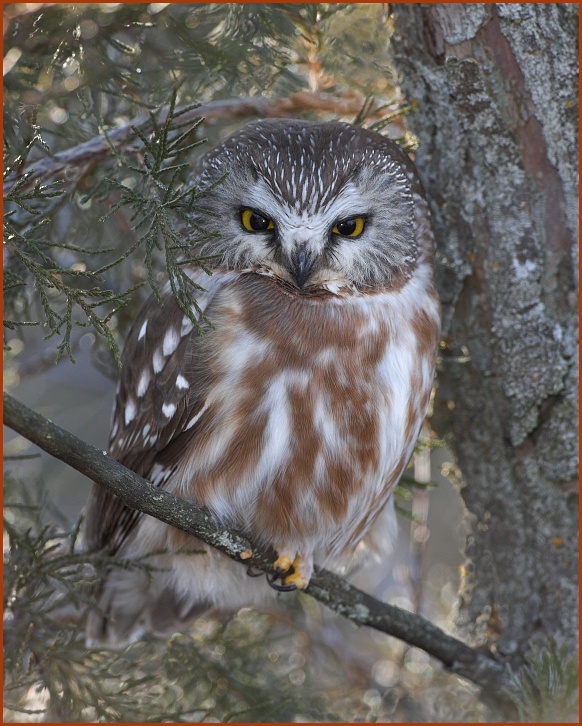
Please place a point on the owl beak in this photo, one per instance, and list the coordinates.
(301, 265)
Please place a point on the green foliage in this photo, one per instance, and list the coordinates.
(547, 686)
(157, 199)
(59, 287)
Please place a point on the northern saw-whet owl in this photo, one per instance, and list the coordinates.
(295, 413)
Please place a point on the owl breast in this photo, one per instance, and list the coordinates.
(313, 407)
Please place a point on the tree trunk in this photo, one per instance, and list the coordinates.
(496, 88)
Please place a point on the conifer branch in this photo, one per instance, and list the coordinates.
(72, 164)
(480, 667)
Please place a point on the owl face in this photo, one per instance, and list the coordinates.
(316, 205)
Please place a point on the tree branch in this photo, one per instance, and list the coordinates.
(483, 668)
(70, 165)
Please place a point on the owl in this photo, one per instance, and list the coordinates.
(292, 414)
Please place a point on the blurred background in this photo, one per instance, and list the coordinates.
(73, 73)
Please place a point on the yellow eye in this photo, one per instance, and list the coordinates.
(255, 221)
(352, 227)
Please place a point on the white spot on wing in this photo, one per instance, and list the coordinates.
(158, 361)
(187, 326)
(130, 411)
(181, 382)
(142, 385)
(171, 340)
(169, 409)
(142, 330)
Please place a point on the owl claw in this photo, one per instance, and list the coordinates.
(295, 573)
(272, 580)
(296, 579)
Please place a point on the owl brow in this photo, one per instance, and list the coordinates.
(255, 210)
(366, 216)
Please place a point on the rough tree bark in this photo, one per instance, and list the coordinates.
(496, 88)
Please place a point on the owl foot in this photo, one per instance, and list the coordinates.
(294, 573)
(283, 564)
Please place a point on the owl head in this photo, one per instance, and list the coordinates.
(315, 205)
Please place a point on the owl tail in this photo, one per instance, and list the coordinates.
(129, 604)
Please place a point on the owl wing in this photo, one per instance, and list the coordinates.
(160, 396)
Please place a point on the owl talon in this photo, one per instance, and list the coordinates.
(282, 566)
(295, 573)
(272, 580)
(296, 580)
